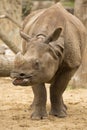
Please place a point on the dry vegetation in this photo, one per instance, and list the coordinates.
(13, 9)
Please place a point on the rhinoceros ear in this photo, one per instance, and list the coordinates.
(54, 36)
(25, 36)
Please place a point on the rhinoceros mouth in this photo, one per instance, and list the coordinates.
(21, 81)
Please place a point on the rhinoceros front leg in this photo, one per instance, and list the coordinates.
(39, 104)
(58, 108)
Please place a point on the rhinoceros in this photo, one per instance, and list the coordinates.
(53, 46)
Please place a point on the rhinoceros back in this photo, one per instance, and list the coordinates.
(45, 21)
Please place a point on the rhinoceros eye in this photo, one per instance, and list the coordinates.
(36, 64)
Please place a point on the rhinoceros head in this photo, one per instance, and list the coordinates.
(39, 63)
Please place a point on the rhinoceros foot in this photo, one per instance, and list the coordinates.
(59, 112)
(39, 115)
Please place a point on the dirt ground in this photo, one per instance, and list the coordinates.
(15, 113)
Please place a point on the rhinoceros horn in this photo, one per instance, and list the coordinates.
(19, 59)
(24, 36)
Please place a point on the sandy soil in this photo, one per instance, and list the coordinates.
(15, 113)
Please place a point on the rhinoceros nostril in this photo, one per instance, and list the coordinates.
(22, 74)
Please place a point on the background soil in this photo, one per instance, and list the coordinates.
(15, 113)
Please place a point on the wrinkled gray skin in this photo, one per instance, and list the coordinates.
(52, 52)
